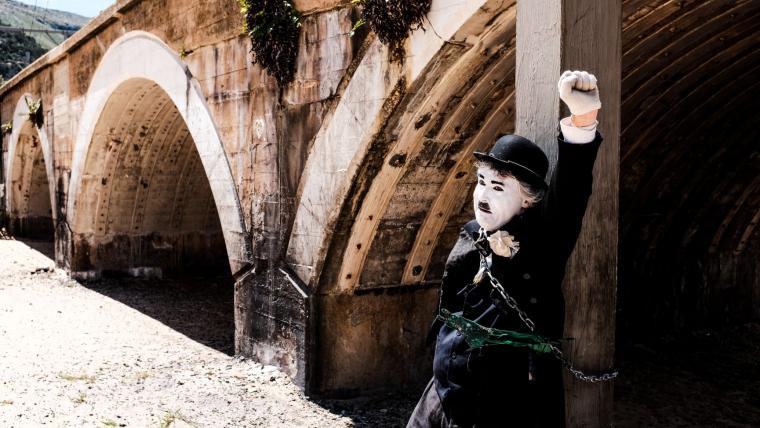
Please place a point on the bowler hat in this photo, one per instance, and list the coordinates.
(519, 156)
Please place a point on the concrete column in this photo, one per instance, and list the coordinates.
(579, 34)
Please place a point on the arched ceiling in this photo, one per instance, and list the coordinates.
(688, 71)
(143, 174)
(402, 229)
(689, 157)
(30, 189)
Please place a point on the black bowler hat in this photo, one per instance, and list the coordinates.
(520, 156)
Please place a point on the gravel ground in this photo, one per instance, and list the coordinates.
(157, 354)
(140, 354)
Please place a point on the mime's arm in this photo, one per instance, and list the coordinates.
(571, 182)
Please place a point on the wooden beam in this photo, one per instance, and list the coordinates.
(539, 34)
(592, 41)
(551, 37)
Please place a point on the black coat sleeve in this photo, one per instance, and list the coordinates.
(567, 197)
(461, 267)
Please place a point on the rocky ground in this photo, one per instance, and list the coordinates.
(157, 354)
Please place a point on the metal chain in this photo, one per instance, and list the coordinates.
(512, 303)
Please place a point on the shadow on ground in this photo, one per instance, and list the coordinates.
(44, 246)
(199, 308)
(388, 410)
(708, 378)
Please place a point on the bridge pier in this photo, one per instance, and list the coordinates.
(274, 320)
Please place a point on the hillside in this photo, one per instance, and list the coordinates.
(18, 14)
(17, 50)
(14, 46)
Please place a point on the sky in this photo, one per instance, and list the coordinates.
(88, 8)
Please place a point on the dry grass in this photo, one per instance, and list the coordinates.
(75, 378)
(143, 375)
(174, 416)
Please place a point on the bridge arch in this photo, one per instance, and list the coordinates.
(146, 119)
(30, 185)
(380, 199)
(396, 122)
(690, 190)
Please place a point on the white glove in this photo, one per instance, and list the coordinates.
(578, 90)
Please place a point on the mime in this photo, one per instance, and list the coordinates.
(501, 309)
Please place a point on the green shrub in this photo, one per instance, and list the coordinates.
(274, 27)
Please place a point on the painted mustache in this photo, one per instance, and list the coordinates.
(483, 206)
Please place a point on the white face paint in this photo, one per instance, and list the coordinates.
(497, 199)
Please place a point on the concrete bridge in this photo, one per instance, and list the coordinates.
(333, 201)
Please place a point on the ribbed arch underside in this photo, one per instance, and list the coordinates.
(145, 200)
(690, 168)
(376, 291)
(31, 214)
(408, 220)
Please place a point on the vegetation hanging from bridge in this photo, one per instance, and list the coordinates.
(392, 21)
(273, 26)
(35, 112)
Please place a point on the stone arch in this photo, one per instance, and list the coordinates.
(30, 210)
(139, 71)
(384, 180)
(359, 140)
(419, 191)
(689, 188)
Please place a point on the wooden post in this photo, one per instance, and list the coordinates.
(579, 35)
(538, 63)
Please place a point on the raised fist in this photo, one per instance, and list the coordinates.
(579, 91)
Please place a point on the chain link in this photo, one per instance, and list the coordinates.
(512, 303)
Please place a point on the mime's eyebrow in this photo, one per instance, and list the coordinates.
(492, 181)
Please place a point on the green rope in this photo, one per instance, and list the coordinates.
(478, 336)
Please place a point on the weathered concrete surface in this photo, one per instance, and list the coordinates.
(161, 163)
(273, 321)
(144, 142)
(415, 129)
(381, 331)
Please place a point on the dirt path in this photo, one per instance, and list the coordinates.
(74, 356)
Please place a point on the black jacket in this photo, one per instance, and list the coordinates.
(489, 386)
